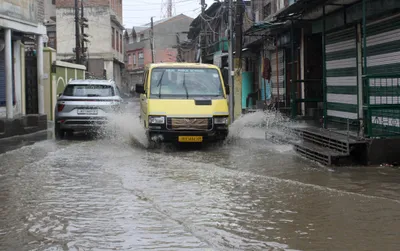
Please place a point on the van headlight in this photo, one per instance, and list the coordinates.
(156, 119)
(221, 120)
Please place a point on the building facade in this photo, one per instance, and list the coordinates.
(167, 34)
(105, 49)
(335, 63)
(50, 23)
(21, 63)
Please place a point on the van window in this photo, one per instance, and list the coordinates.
(145, 78)
(185, 83)
(89, 91)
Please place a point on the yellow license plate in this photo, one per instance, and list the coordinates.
(190, 138)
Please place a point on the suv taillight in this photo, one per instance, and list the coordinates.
(60, 107)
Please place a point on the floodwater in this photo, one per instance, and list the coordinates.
(113, 193)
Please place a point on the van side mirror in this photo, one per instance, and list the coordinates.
(59, 95)
(139, 88)
(227, 90)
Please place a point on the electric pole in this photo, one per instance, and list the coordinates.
(83, 36)
(238, 59)
(77, 44)
(152, 40)
(202, 30)
(179, 50)
(230, 62)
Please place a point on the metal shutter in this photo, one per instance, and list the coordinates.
(341, 75)
(2, 79)
(281, 65)
(383, 61)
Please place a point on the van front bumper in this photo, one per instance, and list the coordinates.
(215, 135)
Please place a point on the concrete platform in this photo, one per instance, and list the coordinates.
(22, 125)
(15, 142)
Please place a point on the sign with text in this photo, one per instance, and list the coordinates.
(24, 10)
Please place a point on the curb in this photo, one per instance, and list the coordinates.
(18, 141)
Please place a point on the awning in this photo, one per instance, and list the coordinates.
(297, 8)
(260, 29)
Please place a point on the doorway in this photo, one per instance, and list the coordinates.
(313, 74)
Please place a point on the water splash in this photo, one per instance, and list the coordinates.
(125, 127)
(254, 125)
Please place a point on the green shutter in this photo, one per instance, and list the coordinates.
(383, 62)
(341, 75)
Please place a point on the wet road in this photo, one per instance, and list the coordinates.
(111, 194)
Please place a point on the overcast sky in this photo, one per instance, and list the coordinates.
(139, 12)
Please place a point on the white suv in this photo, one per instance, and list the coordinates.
(84, 105)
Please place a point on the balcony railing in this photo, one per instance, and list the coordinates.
(221, 45)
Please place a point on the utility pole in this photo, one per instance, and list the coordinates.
(202, 30)
(230, 62)
(152, 40)
(238, 59)
(82, 32)
(77, 44)
(178, 43)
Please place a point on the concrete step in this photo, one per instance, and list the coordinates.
(308, 147)
(318, 153)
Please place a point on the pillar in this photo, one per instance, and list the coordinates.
(17, 75)
(39, 52)
(9, 80)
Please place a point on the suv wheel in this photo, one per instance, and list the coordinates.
(58, 132)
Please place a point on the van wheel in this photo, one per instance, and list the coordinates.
(59, 134)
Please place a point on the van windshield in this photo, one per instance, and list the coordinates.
(185, 83)
(89, 91)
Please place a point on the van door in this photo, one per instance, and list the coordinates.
(143, 99)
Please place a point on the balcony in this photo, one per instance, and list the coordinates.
(221, 45)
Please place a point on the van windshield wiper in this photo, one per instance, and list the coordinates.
(159, 84)
(184, 85)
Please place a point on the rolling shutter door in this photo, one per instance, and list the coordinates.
(2, 80)
(383, 59)
(341, 75)
(281, 65)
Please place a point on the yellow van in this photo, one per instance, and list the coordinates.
(184, 102)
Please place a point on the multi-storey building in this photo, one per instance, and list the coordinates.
(105, 49)
(167, 34)
(21, 71)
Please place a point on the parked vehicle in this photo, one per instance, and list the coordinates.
(85, 105)
(184, 102)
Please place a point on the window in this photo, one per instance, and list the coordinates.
(113, 37)
(141, 56)
(187, 82)
(89, 91)
(134, 59)
(267, 10)
(120, 43)
(130, 59)
(117, 41)
(53, 2)
(52, 43)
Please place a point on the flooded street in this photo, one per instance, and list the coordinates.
(113, 194)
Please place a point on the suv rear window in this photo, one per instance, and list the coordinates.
(89, 91)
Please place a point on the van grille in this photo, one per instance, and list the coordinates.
(189, 124)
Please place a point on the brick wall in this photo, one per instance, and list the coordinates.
(88, 3)
(116, 6)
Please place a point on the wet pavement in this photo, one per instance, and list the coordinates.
(114, 194)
